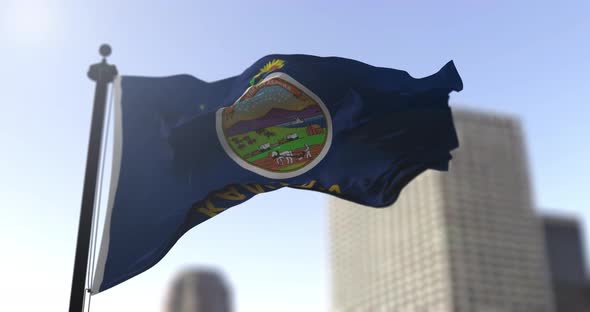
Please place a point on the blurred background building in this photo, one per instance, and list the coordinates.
(464, 240)
(199, 290)
(567, 265)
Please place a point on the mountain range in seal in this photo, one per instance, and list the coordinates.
(274, 117)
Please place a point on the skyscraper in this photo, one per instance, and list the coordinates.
(567, 265)
(199, 291)
(464, 240)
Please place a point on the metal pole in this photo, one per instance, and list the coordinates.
(103, 74)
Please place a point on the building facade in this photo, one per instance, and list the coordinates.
(564, 245)
(199, 291)
(466, 240)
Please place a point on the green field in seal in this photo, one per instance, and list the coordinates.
(293, 145)
(242, 146)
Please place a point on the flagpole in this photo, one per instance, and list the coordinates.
(103, 74)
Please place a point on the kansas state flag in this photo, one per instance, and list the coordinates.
(186, 150)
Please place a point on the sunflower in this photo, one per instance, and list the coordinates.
(267, 68)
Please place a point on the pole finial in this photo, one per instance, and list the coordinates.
(105, 50)
(103, 71)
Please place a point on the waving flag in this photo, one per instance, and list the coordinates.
(186, 150)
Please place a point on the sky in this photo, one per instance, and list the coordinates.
(524, 58)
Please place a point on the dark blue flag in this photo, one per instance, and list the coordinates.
(186, 150)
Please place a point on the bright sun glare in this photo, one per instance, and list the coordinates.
(30, 22)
